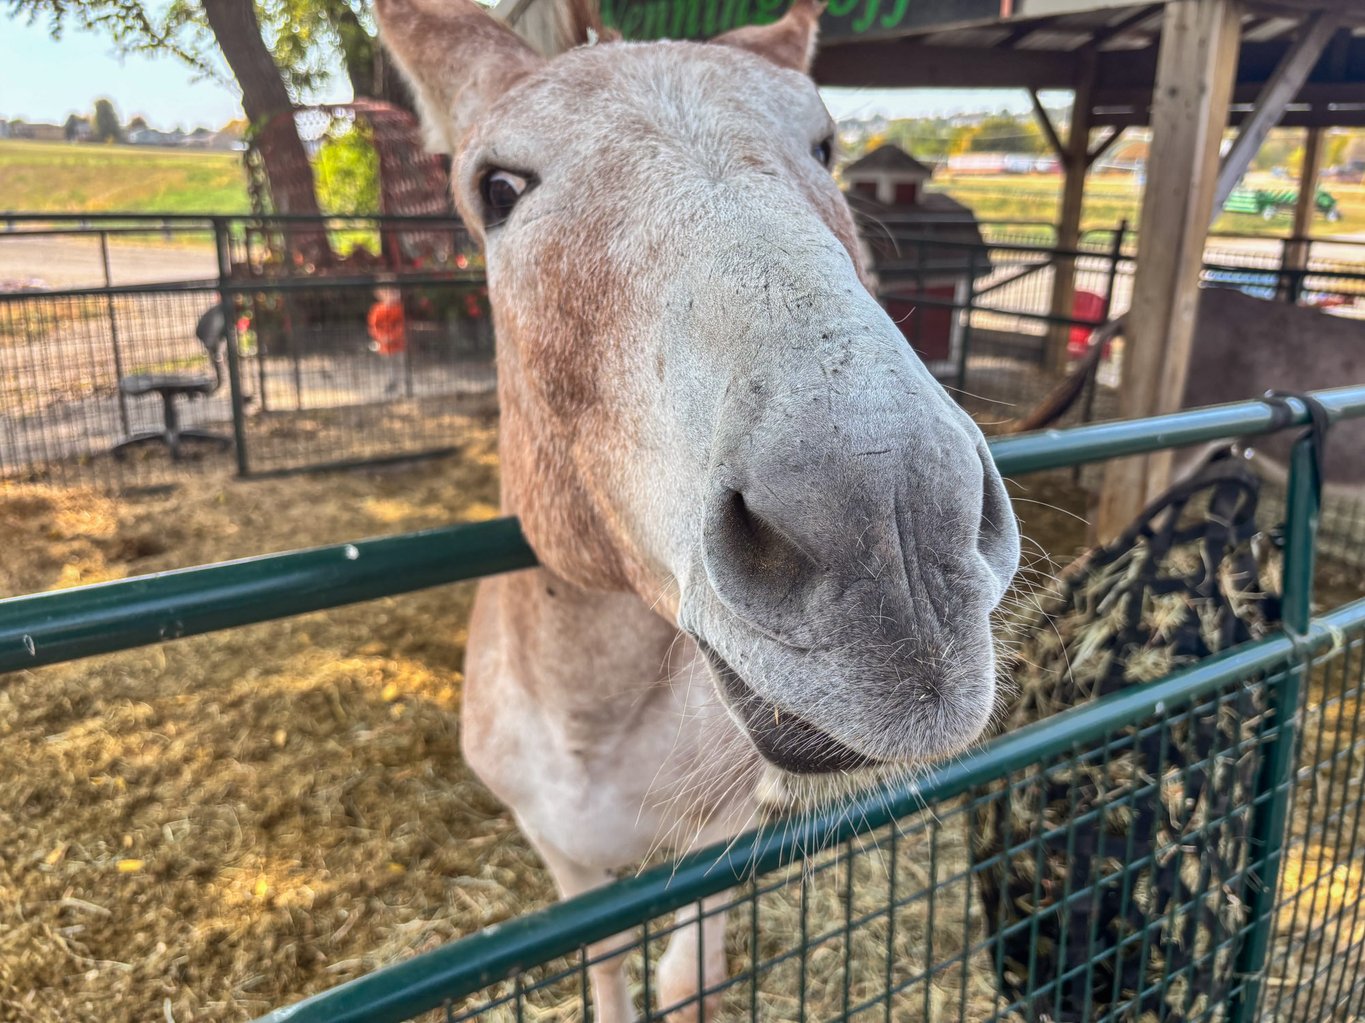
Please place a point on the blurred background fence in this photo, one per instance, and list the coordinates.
(306, 366)
(381, 347)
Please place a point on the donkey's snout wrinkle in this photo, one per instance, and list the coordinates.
(998, 535)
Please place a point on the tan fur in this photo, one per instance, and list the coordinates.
(743, 489)
(788, 43)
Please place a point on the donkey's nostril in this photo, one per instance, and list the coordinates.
(749, 557)
(741, 520)
(754, 540)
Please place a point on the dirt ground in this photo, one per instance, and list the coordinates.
(211, 828)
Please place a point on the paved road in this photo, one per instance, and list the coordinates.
(60, 262)
(75, 262)
(1349, 248)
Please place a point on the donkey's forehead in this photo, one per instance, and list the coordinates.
(630, 91)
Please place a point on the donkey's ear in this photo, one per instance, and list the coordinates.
(788, 42)
(458, 58)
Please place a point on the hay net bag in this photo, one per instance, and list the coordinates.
(1146, 822)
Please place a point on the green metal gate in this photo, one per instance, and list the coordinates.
(873, 912)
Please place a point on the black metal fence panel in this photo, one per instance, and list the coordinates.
(380, 353)
(345, 373)
(377, 356)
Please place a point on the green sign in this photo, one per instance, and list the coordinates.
(702, 19)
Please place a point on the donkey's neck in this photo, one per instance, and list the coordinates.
(584, 650)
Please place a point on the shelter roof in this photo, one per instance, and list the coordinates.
(1039, 44)
(889, 158)
(1053, 50)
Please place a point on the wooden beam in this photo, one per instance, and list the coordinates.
(1045, 122)
(1244, 96)
(1343, 64)
(1297, 246)
(1103, 35)
(1195, 71)
(1349, 9)
(1308, 182)
(1282, 86)
(895, 63)
(1017, 36)
(1333, 116)
(1105, 143)
(1074, 158)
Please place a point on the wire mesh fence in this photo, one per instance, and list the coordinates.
(382, 352)
(378, 355)
(350, 372)
(980, 314)
(1110, 863)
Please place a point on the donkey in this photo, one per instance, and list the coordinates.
(1244, 345)
(766, 534)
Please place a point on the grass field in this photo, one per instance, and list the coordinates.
(1111, 199)
(54, 177)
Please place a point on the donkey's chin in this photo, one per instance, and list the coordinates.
(797, 745)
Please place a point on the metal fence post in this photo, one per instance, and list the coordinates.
(1115, 256)
(113, 331)
(917, 317)
(221, 246)
(966, 314)
(1269, 829)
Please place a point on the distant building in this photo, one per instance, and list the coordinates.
(36, 132)
(1002, 163)
(926, 250)
(888, 175)
(227, 140)
(152, 137)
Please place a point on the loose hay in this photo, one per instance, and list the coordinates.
(217, 826)
(1161, 810)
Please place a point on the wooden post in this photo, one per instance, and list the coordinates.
(1075, 158)
(1297, 248)
(1196, 65)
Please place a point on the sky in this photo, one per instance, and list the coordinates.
(45, 80)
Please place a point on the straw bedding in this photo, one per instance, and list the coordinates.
(211, 828)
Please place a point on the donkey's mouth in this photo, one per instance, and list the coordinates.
(785, 740)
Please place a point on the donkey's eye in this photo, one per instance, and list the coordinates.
(823, 151)
(501, 190)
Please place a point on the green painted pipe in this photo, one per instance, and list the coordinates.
(48, 628)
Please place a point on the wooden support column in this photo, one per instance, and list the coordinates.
(1297, 247)
(1196, 66)
(1074, 156)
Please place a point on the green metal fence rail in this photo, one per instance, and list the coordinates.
(469, 966)
(51, 627)
(1234, 788)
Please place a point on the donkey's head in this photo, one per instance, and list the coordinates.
(701, 401)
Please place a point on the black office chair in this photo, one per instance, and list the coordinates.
(212, 334)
